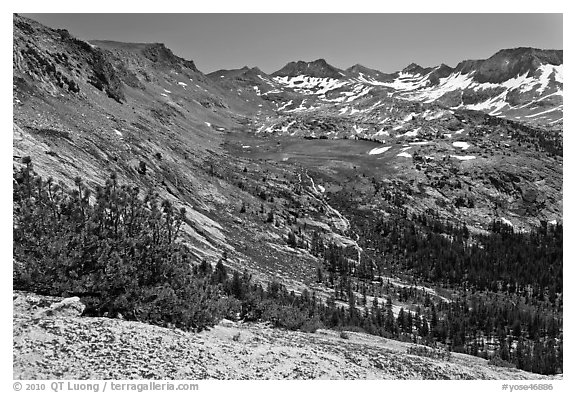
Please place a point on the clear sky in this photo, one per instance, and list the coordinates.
(387, 42)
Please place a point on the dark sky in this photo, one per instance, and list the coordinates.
(387, 42)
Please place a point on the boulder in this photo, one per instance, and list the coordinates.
(69, 307)
(529, 194)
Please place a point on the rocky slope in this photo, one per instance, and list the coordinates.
(65, 346)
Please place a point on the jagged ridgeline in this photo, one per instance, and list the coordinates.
(423, 205)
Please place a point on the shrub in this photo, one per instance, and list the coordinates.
(141, 167)
(283, 316)
(119, 253)
(433, 353)
(312, 325)
(499, 362)
(353, 328)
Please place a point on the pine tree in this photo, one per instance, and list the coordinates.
(424, 329)
(319, 275)
(220, 274)
(353, 312)
(389, 323)
(504, 351)
(236, 286)
(292, 241)
(401, 320)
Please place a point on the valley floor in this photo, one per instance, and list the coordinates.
(64, 347)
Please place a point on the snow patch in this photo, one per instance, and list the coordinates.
(382, 132)
(506, 221)
(409, 133)
(300, 108)
(285, 105)
(463, 158)
(379, 150)
(310, 85)
(547, 111)
(462, 145)
(409, 117)
(428, 115)
(287, 127)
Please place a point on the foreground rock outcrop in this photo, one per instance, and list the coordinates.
(63, 346)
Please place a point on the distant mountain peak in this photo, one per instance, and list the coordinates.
(359, 68)
(510, 63)
(363, 72)
(318, 68)
(253, 72)
(414, 68)
(246, 73)
(156, 52)
(321, 62)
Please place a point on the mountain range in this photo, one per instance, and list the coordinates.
(520, 84)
